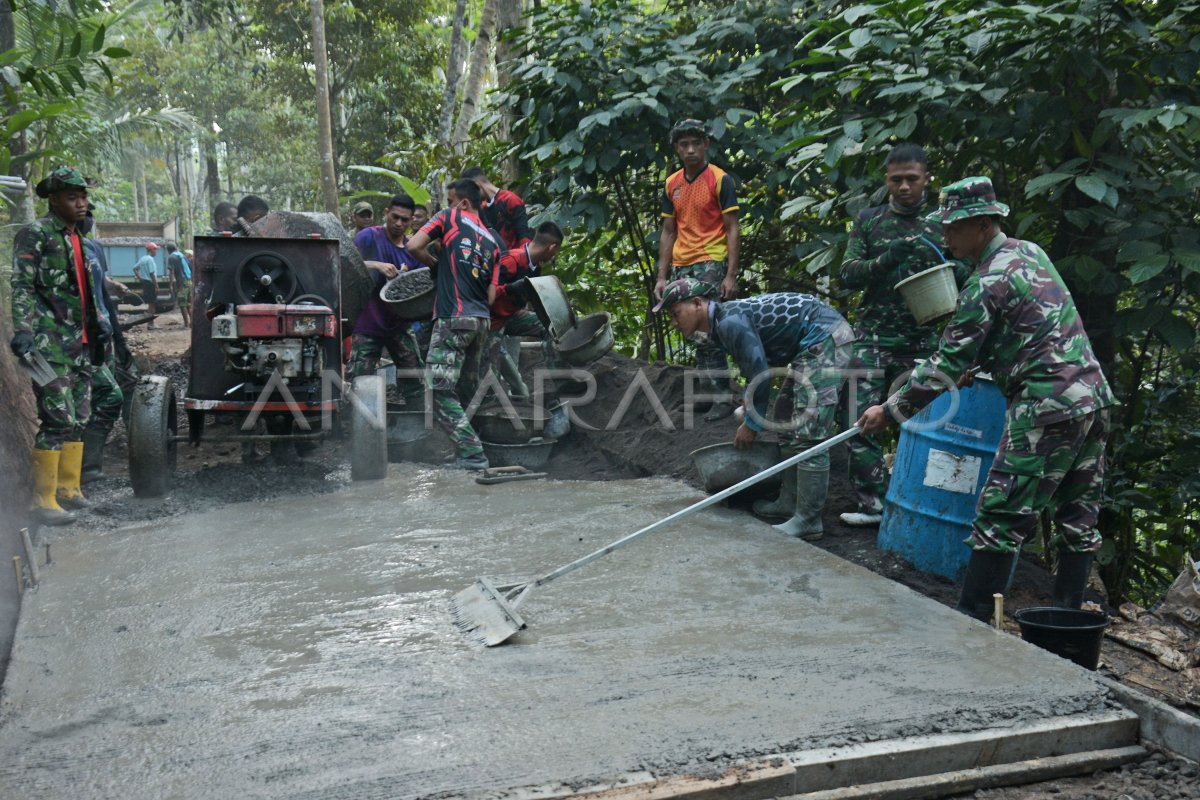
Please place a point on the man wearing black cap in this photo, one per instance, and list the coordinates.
(700, 239)
(55, 318)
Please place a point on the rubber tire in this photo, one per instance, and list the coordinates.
(368, 431)
(153, 424)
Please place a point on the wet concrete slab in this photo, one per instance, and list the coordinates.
(304, 648)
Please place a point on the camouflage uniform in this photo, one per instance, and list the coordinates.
(46, 302)
(402, 346)
(1017, 320)
(889, 340)
(708, 357)
(453, 370)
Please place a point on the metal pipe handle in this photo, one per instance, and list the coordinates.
(692, 509)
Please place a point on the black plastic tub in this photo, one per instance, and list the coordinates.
(1072, 634)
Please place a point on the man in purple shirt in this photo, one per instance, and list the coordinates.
(384, 251)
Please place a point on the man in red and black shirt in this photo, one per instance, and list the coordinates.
(501, 209)
(463, 271)
(509, 293)
(700, 239)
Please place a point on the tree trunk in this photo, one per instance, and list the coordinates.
(329, 188)
(481, 56)
(212, 175)
(453, 73)
(510, 17)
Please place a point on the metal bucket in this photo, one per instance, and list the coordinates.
(937, 477)
(930, 294)
(406, 435)
(550, 303)
(590, 338)
(417, 291)
(532, 455)
(495, 424)
(723, 465)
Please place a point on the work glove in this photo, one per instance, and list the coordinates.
(22, 343)
(518, 290)
(896, 253)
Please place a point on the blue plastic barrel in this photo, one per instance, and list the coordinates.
(937, 476)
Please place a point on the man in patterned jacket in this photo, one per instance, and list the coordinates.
(54, 315)
(1016, 319)
(701, 239)
(795, 332)
(885, 247)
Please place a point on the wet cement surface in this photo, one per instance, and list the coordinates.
(304, 648)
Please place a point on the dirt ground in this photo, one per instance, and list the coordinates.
(626, 445)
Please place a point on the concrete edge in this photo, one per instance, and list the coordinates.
(1161, 724)
(915, 759)
(1014, 774)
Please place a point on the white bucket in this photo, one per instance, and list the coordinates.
(930, 293)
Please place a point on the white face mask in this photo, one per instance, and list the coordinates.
(699, 337)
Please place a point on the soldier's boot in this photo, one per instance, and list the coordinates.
(785, 505)
(70, 467)
(987, 572)
(1070, 582)
(94, 440)
(46, 509)
(512, 376)
(812, 487)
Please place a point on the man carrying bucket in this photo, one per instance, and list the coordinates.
(887, 244)
(785, 330)
(1016, 319)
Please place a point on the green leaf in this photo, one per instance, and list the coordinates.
(860, 37)
(119, 52)
(1138, 250)
(853, 14)
(1188, 259)
(413, 189)
(1176, 332)
(1043, 182)
(76, 45)
(1149, 268)
(98, 39)
(1092, 186)
(905, 127)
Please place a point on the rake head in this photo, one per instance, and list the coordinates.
(483, 615)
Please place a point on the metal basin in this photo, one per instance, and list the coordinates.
(532, 455)
(591, 338)
(495, 424)
(406, 435)
(411, 294)
(723, 465)
(550, 303)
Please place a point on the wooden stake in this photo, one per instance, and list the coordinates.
(30, 556)
(998, 611)
(20, 575)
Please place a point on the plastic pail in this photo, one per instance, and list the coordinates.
(1072, 634)
(937, 476)
(930, 293)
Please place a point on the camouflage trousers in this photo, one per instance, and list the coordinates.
(874, 368)
(402, 346)
(1058, 467)
(63, 404)
(807, 403)
(452, 371)
(108, 398)
(709, 356)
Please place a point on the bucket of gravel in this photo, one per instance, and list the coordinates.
(410, 294)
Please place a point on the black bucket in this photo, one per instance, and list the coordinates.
(1066, 632)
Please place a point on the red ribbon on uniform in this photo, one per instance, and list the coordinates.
(80, 279)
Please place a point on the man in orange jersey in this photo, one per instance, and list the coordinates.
(700, 240)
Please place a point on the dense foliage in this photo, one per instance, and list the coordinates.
(1085, 113)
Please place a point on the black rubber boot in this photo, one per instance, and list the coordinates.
(93, 455)
(1070, 582)
(987, 572)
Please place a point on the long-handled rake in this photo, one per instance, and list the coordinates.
(487, 613)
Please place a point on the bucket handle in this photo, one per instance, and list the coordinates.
(936, 249)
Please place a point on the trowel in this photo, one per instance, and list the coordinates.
(38, 368)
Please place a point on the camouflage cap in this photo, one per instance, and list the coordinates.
(62, 178)
(686, 126)
(362, 206)
(970, 197)
(683, 289)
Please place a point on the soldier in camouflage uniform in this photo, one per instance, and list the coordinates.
(786, 330)
(1016, 319)
(54, 314)
(463, 271)
(885, 248)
